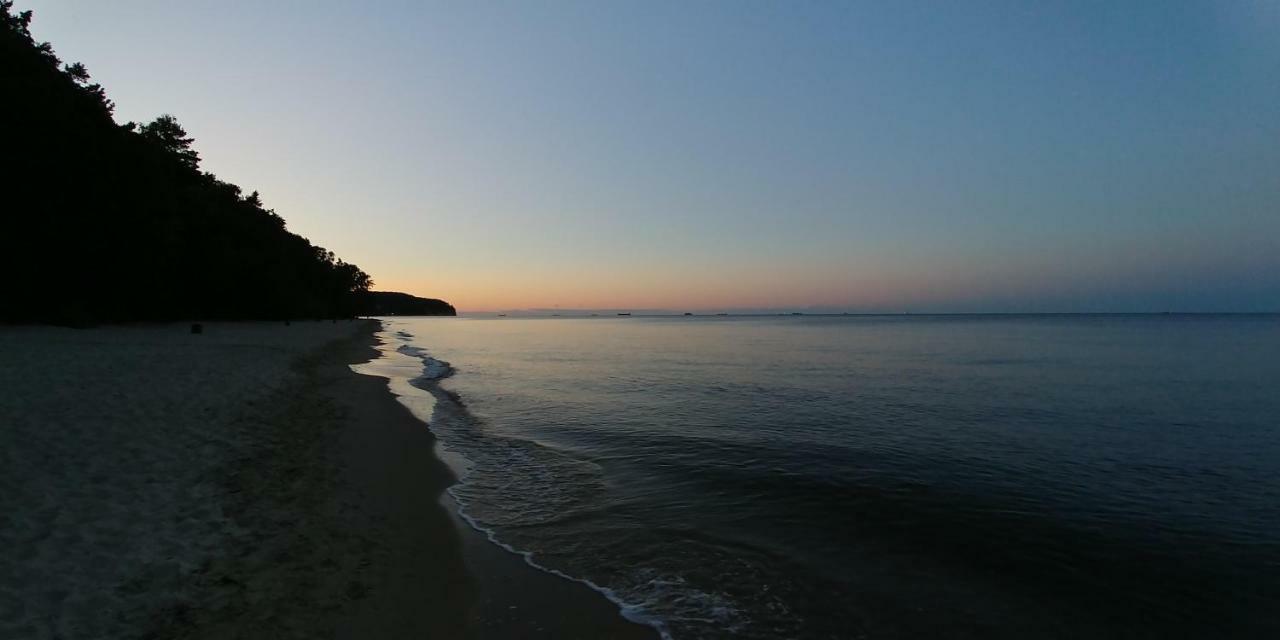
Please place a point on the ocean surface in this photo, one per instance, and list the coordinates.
(882, 477)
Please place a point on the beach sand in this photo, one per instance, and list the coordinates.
(242, 483)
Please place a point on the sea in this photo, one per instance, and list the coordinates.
(902, 476)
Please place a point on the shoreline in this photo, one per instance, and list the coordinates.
(505, 596)
(517, 597)
(243, 483)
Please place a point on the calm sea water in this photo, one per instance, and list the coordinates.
(920, 476)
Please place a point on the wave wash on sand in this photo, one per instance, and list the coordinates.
(241, 483)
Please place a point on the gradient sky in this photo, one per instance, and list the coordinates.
(879, 156)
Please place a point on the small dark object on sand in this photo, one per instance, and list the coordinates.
(196, 327)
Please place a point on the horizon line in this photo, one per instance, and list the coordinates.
(622, 312)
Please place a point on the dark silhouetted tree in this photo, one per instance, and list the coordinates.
(77, 72)
(106, 222)
(166, 132)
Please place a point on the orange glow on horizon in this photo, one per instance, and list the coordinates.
(486, 291)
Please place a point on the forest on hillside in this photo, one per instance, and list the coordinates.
(108, 222)
(394, 303)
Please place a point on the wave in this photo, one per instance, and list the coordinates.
(433, 370)
(450, 408)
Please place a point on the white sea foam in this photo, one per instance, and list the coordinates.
(433, 371)
(629, 610)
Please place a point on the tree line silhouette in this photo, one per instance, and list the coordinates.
(394, 303)
(107, 222)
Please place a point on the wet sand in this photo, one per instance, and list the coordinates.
(475, 588)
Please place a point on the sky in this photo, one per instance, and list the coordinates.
(694, 156)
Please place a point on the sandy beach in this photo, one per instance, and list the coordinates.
(242, 483)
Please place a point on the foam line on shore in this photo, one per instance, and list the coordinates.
(433, 371)
(632, 612)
